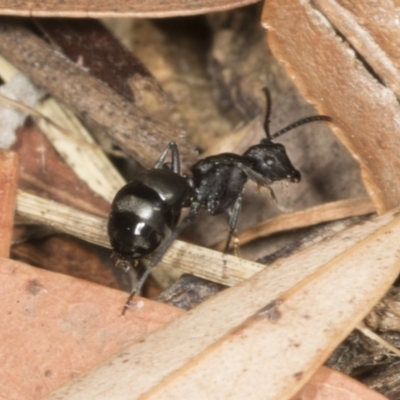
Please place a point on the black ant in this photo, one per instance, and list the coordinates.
(145, 212)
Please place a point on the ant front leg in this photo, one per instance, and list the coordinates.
(277, 204)
(234, 213)
(175, 158)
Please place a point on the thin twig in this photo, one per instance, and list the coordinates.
(305, 218)
(225, 269)
(376, 338)
(136, 132)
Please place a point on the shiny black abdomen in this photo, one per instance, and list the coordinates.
(145, 211)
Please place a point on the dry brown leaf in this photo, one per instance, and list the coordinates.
(44, 173)
(330, 74)
(149, 8)
(384, 199)
(69, 256)
(328, 384)
(265, 337)
(372, 28)
(59, 327)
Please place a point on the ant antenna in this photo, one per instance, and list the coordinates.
(267, 112)
(289, 127)
(299, 123)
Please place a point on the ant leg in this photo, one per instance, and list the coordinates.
(175, 158)
(162, 158)
(159, 254)
(279, 206)
(176, 163)
(235, 245)
(233, 220)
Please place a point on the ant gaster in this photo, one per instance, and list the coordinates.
(145, 212)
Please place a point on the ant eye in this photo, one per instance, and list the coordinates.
(269, 161)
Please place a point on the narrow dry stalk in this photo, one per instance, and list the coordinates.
(376, 338)
(228, 270)
(182, 257)
(72, 141)
(80, 151)
(63, 218)
(9, 171)
(305, 218)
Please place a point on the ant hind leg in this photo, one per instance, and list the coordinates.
(159, 254)
(175, 158)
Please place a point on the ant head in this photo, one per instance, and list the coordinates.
(271, 161)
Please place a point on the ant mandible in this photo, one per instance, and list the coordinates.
(145, 212)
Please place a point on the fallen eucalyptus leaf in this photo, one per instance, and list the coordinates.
(265, 337)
